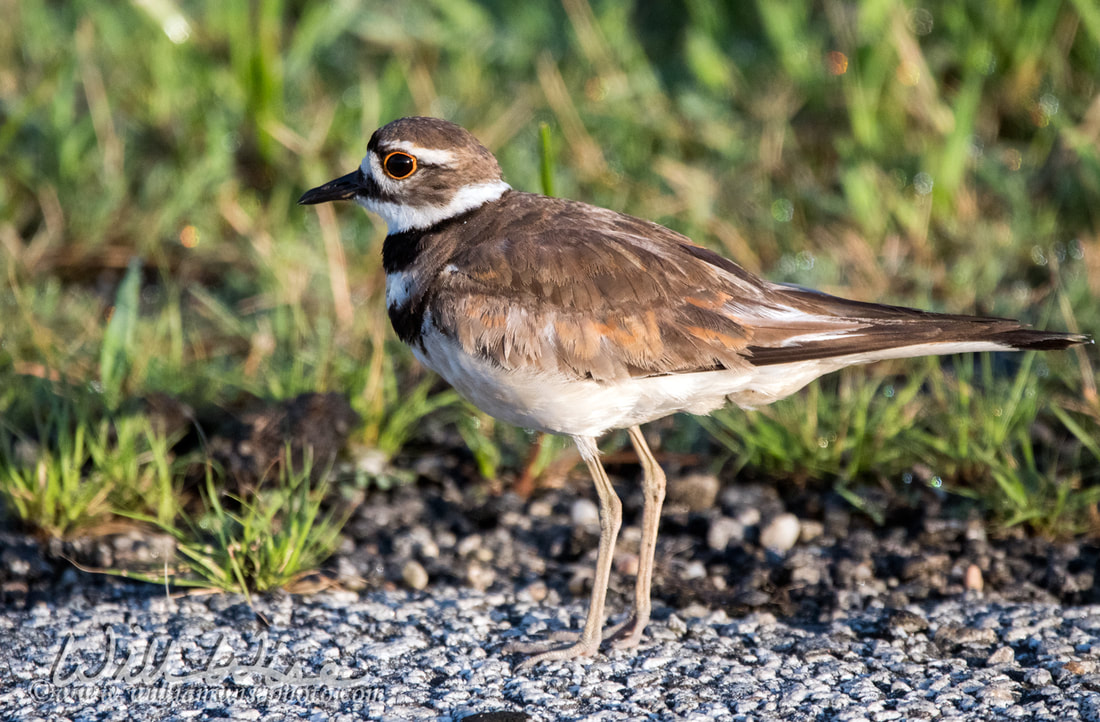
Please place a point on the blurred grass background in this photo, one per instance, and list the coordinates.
(944, 155)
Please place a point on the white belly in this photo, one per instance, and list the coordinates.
(578, 407)
(553, 402)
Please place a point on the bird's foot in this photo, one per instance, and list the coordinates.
(562, 637)
(561, 645)
(626, 634)
(570, 645)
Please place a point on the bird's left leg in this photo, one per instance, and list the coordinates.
(629, 633)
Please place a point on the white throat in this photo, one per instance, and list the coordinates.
(401, 217)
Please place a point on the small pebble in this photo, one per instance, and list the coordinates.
(973, 578)
(468, 545)
(428, 549)
(626, 563)
(905, 621)
(1080, 666)
(722, 531)
(414, 575)
(540, 508)
(806, 575)
(956, 635)
(695, 570)
(781, 533)
(998, 694)
(534, 592)
(748, 516)
(810, 531)
(696, 492)
(580, 582)
(585, 514)
(479, 576)
(1038, 677)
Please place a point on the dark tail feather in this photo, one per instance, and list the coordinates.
(1028, 339)
(897, 327)
(954, 335)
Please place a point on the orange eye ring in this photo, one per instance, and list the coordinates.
(399, 165)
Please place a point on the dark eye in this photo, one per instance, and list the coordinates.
(399, 165)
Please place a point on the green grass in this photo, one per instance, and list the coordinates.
(73, 467)
(276, 537)
(944, 156)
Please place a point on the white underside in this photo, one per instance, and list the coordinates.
(557, 404)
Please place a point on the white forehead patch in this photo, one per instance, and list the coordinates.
(372, 169)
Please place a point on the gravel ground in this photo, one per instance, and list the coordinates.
(405, 655)
(768, 605)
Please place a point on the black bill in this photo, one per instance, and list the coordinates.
(340, 189)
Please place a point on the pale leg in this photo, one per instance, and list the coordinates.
(611, 516)
(653, 488)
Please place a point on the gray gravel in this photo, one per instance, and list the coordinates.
(408, 655)
(929, 616)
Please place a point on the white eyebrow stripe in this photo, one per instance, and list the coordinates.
(431, 156)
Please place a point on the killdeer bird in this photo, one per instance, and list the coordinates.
(571, 319)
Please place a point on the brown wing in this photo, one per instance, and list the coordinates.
(592, 293)
(560, 285)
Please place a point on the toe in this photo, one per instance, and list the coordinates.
(581, 648)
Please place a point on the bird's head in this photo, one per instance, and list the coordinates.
(418, 172)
